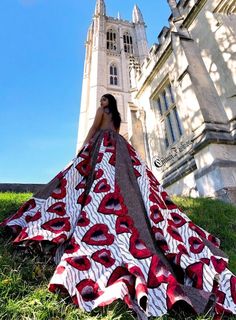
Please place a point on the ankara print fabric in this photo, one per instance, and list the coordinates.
(114, 233)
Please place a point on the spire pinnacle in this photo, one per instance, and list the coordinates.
(137, 15)
(174, 8)
(100, 8)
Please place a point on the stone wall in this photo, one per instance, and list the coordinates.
(196, 55)
(21, 187)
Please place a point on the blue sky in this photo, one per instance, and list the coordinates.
(41, 68)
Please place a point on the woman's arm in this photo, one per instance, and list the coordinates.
(95, 126)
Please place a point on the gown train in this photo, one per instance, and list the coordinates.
(113, 233)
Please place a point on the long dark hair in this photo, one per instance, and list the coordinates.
(116, 118)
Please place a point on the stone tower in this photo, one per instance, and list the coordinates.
(110, 46)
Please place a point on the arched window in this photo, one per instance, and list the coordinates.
(169, 116)
(111, 40)
(113, 75)
(128, 43)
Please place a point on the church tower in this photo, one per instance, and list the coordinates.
(110, 46)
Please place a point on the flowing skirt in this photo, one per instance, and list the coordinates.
(114, 233)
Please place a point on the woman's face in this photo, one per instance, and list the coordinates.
(104, 102)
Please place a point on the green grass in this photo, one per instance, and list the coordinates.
(24, 278)
(216, 217)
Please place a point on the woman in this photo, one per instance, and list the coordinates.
(114, 233)
(107, 116)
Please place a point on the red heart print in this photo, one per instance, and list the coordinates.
(137, 173)
(35, 217)
(152, 177)
(88, 199)
(169, 203)
(118, 273)
(113, 203)
(196, 244)
(80, 263)
(57, 225)
(174, 293)
(214, 240)
(60, 191)
(60, 239)
(135, 270)
(99, 157)
(81, 185)
(131, 149)
(37, 238)
(197, 229)
(72, 246)
(83, 221)
(112, 159)
(153, 187)
(98, 235)
(58, 208)
(156, 215)
(195, 272)
(124, 224)
(182, 250)
(137, 247)
(108, 141)
(153, 196)
(135, 161)
(206, 261)
(178, 221)
(104, 257)
(220, 296)
(27, 206)
(22, 236)
(158, 273)
(160, 239)
(233, 288)
(102, 186)
(84, 167)
(88, 289)
(219, 264)
(98, 174)
(174, 233)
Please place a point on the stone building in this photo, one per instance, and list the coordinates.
(110, 42)
(177, 99)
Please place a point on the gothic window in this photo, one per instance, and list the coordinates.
(128, 43)
(227, 7)
(111, 40)
(113, 75)
(169, 117)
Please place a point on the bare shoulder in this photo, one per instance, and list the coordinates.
(100, 109)
(98, 118)
(99, 112)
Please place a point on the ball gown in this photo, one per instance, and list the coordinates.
(114, 233)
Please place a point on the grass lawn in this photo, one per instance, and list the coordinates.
(24, 277)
